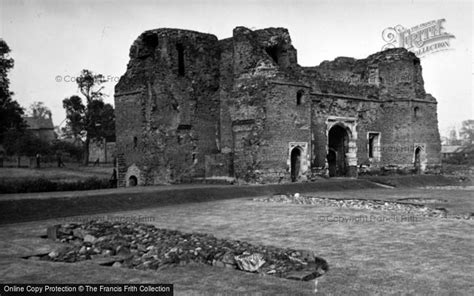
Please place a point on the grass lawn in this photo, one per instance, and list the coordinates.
(72, 172)
(382, 257)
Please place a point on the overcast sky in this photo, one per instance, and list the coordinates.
(60, 38)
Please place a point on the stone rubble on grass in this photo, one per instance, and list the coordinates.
(250, 262)
(144, 247)
(418, 209)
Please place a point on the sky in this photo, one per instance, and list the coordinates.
(53, 40)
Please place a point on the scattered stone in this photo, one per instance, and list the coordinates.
(78, 232)
(414, 209)
(228, 258)
(122, 251)
(83, 250)
(125, 243)
(89, 238)
(53, 254)
(250, 263)
(117, 264)
(52, 232)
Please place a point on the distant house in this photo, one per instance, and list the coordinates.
(467, 151)
(41, 127)
(448, 151)
(463, 152)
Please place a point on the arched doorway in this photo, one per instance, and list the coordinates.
(417, 162)
(295, 163)
(338, 146)
(132, 181)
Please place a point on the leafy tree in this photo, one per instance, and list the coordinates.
(23, 142)
(39, 110)
(10, 111)
(75, 115)
(452, 138)
(65, 147)
(467, 131)
(93, 119)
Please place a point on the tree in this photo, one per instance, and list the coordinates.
(39, 110)
(467, 131)
(23, 142)
(453, 137)
(75, 116)
(10, 111)
(94, 119)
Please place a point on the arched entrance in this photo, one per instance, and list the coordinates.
(417, 162)
(295, 163)
(132, 181)
(338, 146)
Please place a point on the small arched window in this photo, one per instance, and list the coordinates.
(416, 112)
(299, 97)
(132, 181)
(135, 142)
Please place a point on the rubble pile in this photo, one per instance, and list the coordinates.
(142, 246)
(414, 208)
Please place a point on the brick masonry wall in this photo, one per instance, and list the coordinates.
(189, 103)
(287, 122)
(387, 87)
(104, 151)
(167, 118)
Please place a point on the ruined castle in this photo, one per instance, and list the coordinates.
(191, 107)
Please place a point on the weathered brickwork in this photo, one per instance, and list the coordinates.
(192, 106)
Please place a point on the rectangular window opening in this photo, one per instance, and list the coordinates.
(180, 49)
(374, 145)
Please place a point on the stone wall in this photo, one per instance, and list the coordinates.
(385, 94)
(191, 106)
(168, 105)
(103, 151)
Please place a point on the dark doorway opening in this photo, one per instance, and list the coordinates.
(416, 112)
(274, 52)
(338, 142)
(417, 160)
(332, 162)
(299, 97)
(295, 163)
(132, 181)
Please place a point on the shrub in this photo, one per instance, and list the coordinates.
(45, 185)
